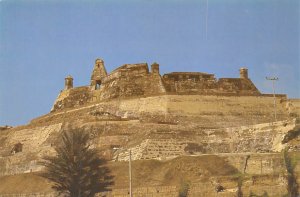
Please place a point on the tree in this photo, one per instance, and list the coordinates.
(77, 169)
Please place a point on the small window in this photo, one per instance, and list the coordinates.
(98, 84)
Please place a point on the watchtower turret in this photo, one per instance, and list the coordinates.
(243, 73)
(68, 82)
(155, 68)
(99, 72)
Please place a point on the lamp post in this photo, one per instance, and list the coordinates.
(130, 172)
(130, 180)
(273, 79)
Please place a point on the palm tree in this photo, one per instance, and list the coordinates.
(77, 170)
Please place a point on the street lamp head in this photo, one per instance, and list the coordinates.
(272, 78)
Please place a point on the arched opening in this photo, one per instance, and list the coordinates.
(17, 148)
(98, 84)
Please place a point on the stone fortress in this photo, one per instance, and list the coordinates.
(135, 80)
(181, 127)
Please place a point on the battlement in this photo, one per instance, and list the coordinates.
(136, 80)
(188, 75)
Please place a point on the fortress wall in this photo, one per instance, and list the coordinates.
(189, 83)
(228, 105)
(130, 80)
(35, 143)
(148, 141)
(64, 94)
(261, 138)
(156, 104)
(186, 105)
(237, 85)
(71, 98)
(192, 83)
(211, 111)
(32, 138)
(132, 85)
(226, 110)
(111, 77)
(134, 80)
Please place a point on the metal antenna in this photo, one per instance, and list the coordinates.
(206, 18)
(273, 79)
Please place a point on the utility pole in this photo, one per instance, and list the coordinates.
(273, 79)
(130, 180)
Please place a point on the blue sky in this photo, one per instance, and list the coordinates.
(41, 42)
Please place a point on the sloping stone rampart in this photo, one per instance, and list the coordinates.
(149, 141)
(253, 139)
(35, 143)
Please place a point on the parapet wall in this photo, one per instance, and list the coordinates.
(72, 98)
(207, 84)
(130, 81)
